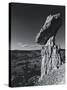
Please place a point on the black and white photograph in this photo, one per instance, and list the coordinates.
(36, 44)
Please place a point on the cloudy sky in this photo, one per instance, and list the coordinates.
(26, 22)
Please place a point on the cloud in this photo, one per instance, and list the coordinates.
(22, 45)
(29, 46)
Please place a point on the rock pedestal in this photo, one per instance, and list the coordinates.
(50, 57)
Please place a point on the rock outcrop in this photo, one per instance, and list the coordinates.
(50, 58)
(46, 38)
(49, 29)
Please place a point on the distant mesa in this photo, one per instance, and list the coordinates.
(49, 29)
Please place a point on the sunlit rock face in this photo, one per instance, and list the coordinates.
(50, 58)
(46, 38)
(49, 29)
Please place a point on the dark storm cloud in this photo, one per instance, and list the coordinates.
(27, 20)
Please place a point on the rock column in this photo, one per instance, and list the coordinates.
(50, 57)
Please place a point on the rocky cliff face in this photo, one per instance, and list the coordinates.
(50, 58)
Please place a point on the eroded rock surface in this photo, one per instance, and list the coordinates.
(55, 77)
(50, 58)
(49, 29)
